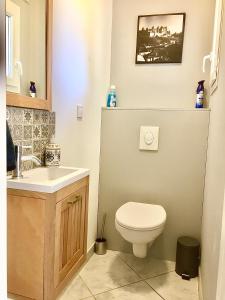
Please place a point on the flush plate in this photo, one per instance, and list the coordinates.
(149, 138)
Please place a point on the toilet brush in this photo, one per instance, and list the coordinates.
(100, 243)
(103, 226)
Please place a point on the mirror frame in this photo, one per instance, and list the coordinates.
(17, 100)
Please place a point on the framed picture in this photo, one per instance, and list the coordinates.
(160, 38)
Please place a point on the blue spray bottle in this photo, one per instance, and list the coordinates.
(112, 98)
(200, 94)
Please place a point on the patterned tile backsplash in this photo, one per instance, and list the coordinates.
(30, 127)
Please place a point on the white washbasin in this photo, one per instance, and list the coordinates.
(47, 180)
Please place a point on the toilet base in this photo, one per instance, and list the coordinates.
(141, 250)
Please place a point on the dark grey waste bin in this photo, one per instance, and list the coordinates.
(188, 257)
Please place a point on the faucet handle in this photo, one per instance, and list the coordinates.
(26, 147)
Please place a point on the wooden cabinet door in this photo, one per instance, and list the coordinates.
(26, 219)
(70, 233)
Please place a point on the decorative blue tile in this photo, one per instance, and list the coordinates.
(51, 131)
(27, 151)
(28, 116)
(31, 127)
(43, 144)
(37, 116)
(37, 146)
(17, 132)
(16, 116)
(52, 118)
(27, 132)
(36, 132)
(45, 117)
(44, 131)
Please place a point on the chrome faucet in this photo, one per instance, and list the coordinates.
(17, 173)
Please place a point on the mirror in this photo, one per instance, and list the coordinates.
(28, 36)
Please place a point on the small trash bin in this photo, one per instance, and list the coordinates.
(187, 257)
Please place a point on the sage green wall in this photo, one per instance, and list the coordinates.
(172, 177)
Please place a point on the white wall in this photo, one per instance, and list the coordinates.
(3, 260)
(81, 71)
(214, 187)
(160, 85)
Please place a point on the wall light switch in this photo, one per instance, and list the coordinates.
(149, 138)
(79, 112)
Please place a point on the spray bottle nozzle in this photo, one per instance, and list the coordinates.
(201, 82)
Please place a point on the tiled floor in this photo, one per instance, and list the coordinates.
(122, 276)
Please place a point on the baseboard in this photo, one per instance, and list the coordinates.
(90, 251)
(200, 285)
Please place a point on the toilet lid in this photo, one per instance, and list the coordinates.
(141, 216)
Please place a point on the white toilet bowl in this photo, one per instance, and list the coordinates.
(140, 224)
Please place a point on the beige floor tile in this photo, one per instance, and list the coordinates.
(171, 287)
(76, 290)
(136, 291)
(148, 267)
(105, 272)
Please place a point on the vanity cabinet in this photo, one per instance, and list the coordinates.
(47, 239)
(70, 228)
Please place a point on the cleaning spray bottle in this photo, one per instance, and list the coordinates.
(33, 89)
(200, 94)
(112, 98)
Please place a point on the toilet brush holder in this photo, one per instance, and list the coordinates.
(100, 246)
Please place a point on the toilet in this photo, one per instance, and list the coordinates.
(140, 224)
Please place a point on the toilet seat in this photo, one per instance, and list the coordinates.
(141, 216)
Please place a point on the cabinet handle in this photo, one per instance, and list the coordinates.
(73, 200)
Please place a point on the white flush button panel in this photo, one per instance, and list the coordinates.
(149, 138)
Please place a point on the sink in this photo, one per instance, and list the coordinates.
(51, 173)
(47, 180)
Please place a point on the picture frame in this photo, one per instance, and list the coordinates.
(160, 38)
